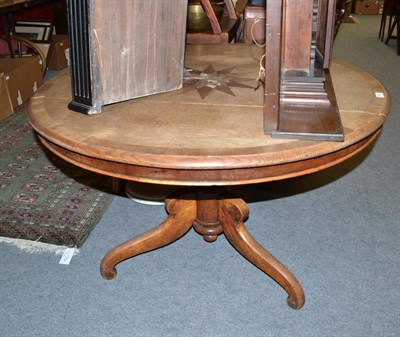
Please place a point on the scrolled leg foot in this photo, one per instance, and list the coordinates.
(294, 303)
(182, 213)
(107, 272)
(232, 214)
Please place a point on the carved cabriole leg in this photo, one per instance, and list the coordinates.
(182, 213)
(232, 212)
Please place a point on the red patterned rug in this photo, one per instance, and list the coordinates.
(42, 197)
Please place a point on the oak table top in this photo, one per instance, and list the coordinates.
(209, 133)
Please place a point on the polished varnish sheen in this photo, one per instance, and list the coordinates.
(205, 141)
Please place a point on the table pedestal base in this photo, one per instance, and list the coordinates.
(210, 214)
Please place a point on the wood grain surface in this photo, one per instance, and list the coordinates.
(208, 133)
(181, 138)
(136, 47)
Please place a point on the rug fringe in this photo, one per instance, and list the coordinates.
(35, 247)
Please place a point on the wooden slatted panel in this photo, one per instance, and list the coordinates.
(82, 98)
(138, 47)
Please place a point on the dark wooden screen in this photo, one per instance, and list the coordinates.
(79, 55)
(299, 96)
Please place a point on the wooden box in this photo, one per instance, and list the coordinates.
(366, 7)
(124, 49)
(254, 24)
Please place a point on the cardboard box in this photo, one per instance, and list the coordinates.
(58, 57)
(366, 7)
(23, 77)
(6, 108)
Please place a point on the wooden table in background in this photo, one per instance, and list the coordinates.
(206, 136)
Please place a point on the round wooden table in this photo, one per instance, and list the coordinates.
(181, 138)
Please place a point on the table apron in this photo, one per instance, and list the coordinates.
(209, 177)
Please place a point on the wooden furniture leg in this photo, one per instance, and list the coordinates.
(211, 16)
(394, 9)
(231, 9)
(232, 214)
(182, 213)
(392, 26)
(210, 214)
(207, 6)
(398, 27)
